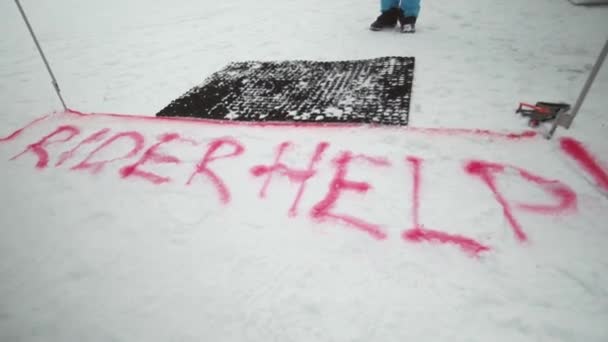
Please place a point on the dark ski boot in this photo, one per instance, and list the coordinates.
(408, 24)
(386, 20)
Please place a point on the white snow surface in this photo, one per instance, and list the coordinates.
(90, 256)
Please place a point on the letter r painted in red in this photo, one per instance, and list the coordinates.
(39, 148)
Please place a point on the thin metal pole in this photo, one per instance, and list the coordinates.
(565, 119)
(48, 67)
(594, 72)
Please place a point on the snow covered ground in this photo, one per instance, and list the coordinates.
(441, 232)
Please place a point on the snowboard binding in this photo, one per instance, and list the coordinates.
(541, 111)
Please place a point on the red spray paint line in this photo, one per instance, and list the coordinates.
(18, 132)
(136, 138)
(586, 160)
(93, 138)
(323, 210)
(565, 196)
(212, 122)
(421, 234)
(152, 155)
(39, 148)
(263, 170)
(203, 166)
(416, 164)
(525, 135)
(294, 175)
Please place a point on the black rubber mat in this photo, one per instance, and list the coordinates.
(360, 91)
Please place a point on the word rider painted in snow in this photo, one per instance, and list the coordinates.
(71, 145)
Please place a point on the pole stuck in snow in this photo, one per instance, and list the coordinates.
(565, 119)
(48, 67)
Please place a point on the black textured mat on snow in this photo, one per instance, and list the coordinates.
(360, 91)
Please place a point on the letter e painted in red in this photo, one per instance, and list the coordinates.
(323, 209)
(151, 155)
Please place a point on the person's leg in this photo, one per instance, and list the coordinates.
(409, 13)
(386, 5)
(411, 8)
